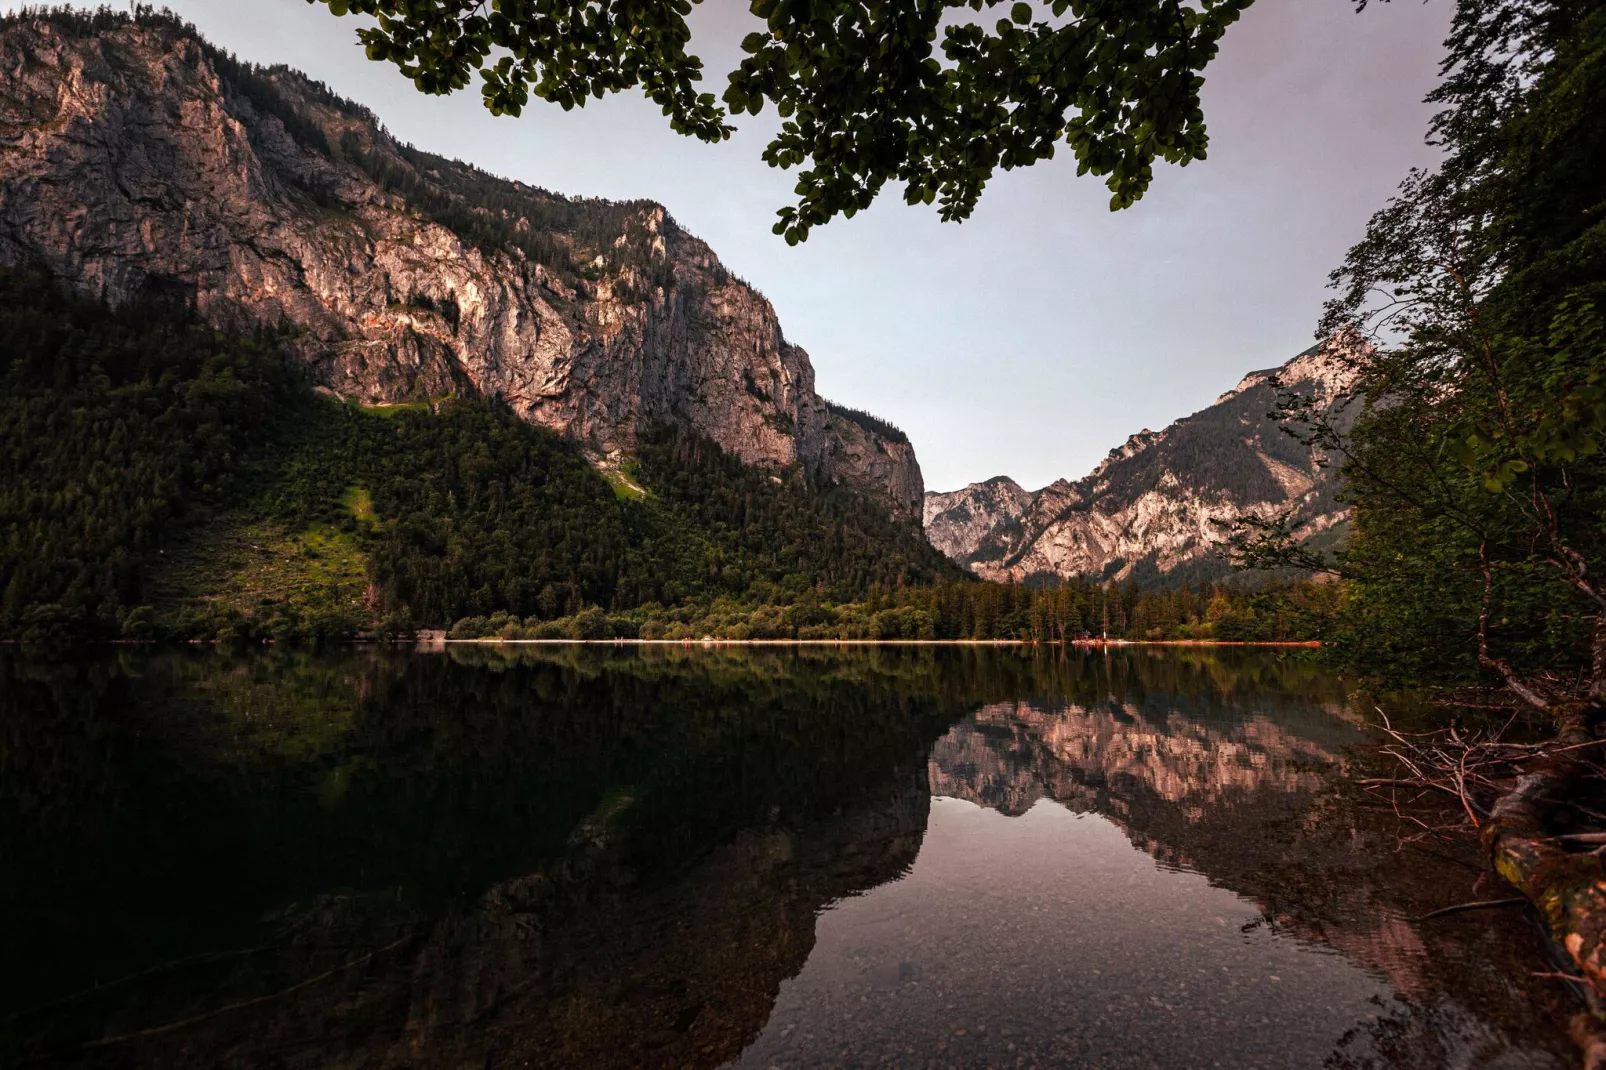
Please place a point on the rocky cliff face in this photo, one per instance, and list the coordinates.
(1147, 510)
(134, 156)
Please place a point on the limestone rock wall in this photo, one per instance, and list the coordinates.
(134, 156)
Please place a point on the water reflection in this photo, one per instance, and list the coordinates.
(1044, 939)
(662, 857)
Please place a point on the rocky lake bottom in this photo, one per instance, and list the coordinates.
(589, 856)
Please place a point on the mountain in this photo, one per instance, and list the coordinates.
(1146, 511)
(136, 158)
(266, 373)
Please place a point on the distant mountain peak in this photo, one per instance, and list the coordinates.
(1327, 366)
(1148, 507)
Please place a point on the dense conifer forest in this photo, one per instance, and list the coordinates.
(113, 430)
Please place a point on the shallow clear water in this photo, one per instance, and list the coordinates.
(654, 856)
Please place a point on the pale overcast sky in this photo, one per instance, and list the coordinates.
(1031, 339)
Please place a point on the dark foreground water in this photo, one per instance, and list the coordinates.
(657, 857)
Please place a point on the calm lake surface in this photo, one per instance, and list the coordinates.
(561, 856)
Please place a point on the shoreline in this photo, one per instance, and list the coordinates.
(438, 641)
(712, 641)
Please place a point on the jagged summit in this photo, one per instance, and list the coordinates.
(136, 155)
(1147, 509)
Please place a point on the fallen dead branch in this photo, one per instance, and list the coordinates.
(193, 1019)
(1481, 904)
(1568, 887)
(1526, 801)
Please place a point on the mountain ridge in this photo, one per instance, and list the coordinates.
(1148, 509)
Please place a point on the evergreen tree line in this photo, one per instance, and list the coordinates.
(475, 512)
(1078, 610)
(870, 422)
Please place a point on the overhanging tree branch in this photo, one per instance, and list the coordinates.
(865, 93)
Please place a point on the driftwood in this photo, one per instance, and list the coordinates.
(1568, 888)
(1520, 791)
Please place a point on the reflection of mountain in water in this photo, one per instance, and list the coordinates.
(582, 965)
(614, 858)
(1092, 758)
(671, 832)
(1247, 800)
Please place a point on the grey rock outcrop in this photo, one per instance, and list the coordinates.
(1150, 507)
(133, 155)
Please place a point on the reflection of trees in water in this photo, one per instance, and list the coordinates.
(579, 866)
(1252, 805)
(599, 855)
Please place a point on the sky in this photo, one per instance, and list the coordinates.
(1031, 339)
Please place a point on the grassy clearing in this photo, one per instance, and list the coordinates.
(261, 567)
(625, 488)
(395, 409)
(359, 503)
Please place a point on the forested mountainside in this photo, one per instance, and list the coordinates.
(166, 478)
(170, 480)
(138, 158)
(1146, 512)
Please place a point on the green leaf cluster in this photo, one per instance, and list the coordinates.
(865, 92)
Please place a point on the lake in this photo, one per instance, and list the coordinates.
(649, 856)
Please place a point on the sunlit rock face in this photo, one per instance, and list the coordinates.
(135, 157)
(1150, 507)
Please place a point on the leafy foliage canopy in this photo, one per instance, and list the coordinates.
(1477, 471)
(865, 93)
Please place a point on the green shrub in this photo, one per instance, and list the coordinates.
(548, 629)
(769, 622)
(590, 623)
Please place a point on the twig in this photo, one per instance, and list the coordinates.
(1461, 788)
(194, 1018)
(1393, 782)
(1481, 904)
(162, 967)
